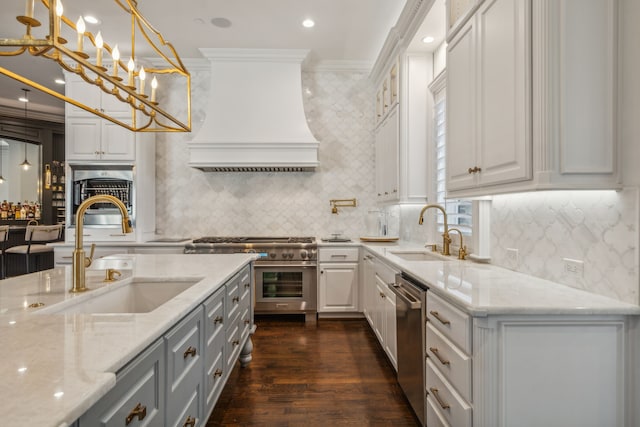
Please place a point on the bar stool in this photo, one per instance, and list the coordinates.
(4, 238)
(35, 237)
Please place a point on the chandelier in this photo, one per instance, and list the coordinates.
(45, 31)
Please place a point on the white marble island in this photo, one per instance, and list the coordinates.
(56, 366)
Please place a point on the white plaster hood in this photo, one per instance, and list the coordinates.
(255, 119)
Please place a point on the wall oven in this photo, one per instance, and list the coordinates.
(91, 180)
(285, 275)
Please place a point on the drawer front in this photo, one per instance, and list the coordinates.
(232, 347)
(184, 353)
(338, 254)
(140, 391)
(452, 322)
(232, 300)
(215, 377)
(214, 316)
(454, 409)
(452, 362)
(190, 412)
(244, 324)
(434, 416)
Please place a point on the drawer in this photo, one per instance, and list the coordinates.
(338, 254)
(453, 408)
(188, 414)
(244, 323)
(452, 322)
(232, 346)
(434, 416)
(232, 300)
(184, 356)
(214, 316)
(452, 362)
(215, 377)
(140, 387)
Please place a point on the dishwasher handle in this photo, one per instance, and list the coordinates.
(404, 295)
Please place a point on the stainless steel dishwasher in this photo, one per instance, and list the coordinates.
(411, 303)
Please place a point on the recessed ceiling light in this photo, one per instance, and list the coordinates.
(60, 81)
(220, 22)
(23, 99)
(308, 23)
(428, 39)
(91, 19)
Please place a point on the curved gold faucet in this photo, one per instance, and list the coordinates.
(80, 262)
(462, 251)
(446, 239)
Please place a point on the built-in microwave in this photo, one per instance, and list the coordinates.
(91, 180)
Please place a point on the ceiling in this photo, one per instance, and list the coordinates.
(345, 30)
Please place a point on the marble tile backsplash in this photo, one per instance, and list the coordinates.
(339, 110)
(597, 227)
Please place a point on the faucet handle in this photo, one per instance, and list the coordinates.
(462, 252)
(88, 260)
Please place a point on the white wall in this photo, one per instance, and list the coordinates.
(340, 112)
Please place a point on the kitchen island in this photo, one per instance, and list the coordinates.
(56, 366)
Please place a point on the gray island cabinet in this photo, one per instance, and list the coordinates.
(177, 380)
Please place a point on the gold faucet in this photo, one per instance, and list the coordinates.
(462, 251)
(446, 239)
(80, 262)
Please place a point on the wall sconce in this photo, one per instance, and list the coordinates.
(341, 203)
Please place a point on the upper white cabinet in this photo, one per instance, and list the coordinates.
(401, 134)
(89, 137)
(531, 98)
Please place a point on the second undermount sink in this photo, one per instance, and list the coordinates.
(419, 256)
(139, 296)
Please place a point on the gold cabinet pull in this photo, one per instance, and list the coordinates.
(440, 318)
(435, 351)
(235, 299)
(217, 373)
(442, 404)
(139, 411)
(191, 422)
(191, 351)
(235, 343)
(217, 320)
(474, 169)
(246, 322)
(247, 285)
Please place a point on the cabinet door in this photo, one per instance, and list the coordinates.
(118, 143)
(338, 290)
(391, 156)
(390, 333)
(461, 99)
(76, 88)
(368, 288)
(82, 139)
(503, 108)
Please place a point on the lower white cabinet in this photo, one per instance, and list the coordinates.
(178, 379)
(138, 397)
(338, 280)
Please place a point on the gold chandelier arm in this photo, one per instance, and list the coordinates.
(15, 52)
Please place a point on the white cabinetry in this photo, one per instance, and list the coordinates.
(518, 119)
(338, 282)
(401, 136)
(379, 304)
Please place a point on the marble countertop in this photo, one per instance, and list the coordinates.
(56, 366)
(485, 289)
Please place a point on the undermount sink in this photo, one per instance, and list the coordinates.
(139, 296)
(419, 256)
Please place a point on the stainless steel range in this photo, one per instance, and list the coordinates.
(285, 275)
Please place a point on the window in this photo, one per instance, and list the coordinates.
(459, 212)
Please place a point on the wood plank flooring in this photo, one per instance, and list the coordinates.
(329, 374)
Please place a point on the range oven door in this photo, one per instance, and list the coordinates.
(286, 288)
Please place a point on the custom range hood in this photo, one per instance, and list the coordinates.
(255, 119)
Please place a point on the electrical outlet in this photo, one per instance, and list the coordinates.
(573, 267)
(512, 258)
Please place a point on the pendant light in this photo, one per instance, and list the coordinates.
(1, 150)
(25, 165)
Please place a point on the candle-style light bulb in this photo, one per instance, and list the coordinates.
(142, 76)
(131, 66)
(29, 8)
(99, 45)
(80, 27)
(154, 86)
(115, 54)
(59, 11)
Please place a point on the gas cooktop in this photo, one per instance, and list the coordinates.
(253, 240)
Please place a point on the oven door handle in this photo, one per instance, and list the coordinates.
(284, 266)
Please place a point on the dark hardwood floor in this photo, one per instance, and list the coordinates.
(332, 373)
